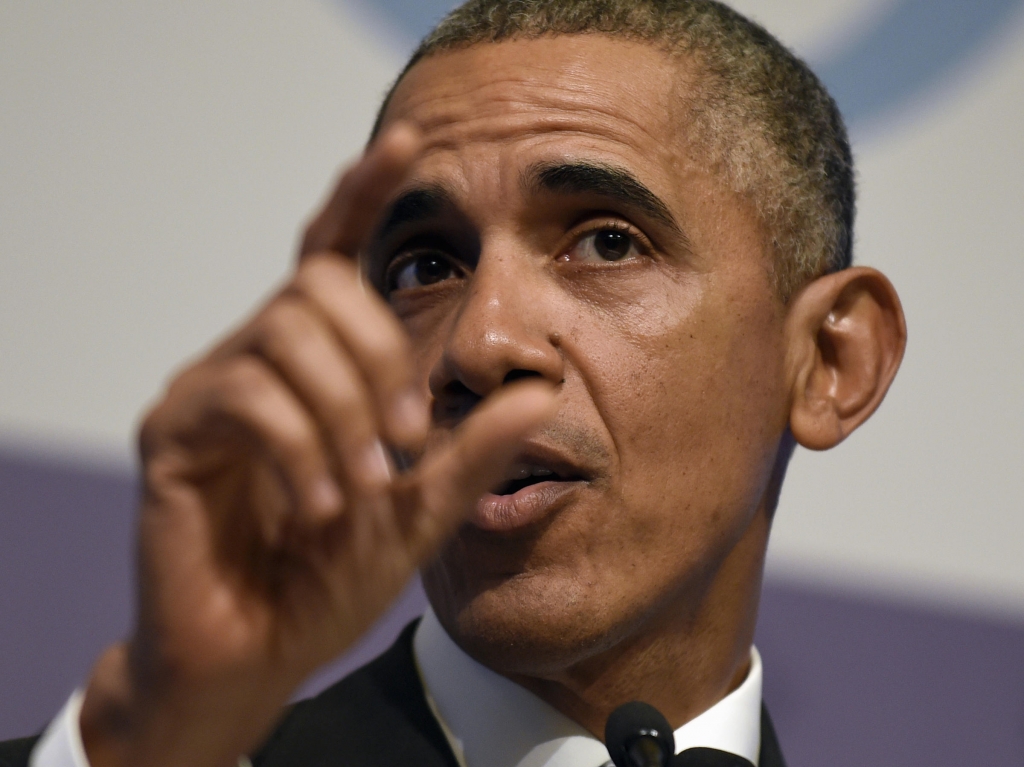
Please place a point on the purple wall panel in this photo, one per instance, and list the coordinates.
(850, 681)
(65, 581)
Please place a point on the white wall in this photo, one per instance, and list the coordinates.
(156, 161)
(927, 498)
(157, 158)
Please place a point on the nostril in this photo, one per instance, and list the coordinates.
(515, 375)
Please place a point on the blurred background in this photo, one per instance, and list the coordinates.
(157, 160)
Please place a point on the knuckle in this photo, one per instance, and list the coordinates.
(283, 325)
(388, 355)
(252, 397)
(373, 333)
(344, 400)
(244, 380)
(171, 412)
(319, 271)
(295, 442)
(354, 423)
(348, 411)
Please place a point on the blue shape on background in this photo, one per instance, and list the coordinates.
(410, 20)
(910, 48)
(913, 46)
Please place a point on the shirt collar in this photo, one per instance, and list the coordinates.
(492, 722)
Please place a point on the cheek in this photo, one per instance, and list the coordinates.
(694, 404)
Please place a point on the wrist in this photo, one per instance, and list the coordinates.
(126, 723)
(106, 717)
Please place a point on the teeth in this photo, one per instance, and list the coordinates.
(523, 471)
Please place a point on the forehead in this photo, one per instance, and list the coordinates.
(584, 96)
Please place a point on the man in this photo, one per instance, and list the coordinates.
(609, 249)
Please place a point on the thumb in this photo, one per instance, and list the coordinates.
(452, 479)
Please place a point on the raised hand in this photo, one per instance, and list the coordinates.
(274, 529)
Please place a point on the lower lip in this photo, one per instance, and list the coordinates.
(502, 513)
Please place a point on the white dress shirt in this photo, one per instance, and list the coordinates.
(492, 722)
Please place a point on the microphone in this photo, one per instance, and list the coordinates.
(637, 735)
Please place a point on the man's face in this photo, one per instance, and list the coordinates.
(560, 224)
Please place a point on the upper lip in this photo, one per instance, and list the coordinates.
(539, 456)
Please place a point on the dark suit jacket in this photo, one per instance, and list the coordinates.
(375, 717)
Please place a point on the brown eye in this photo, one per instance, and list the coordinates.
(431, 269)
(604, 245)
(422, 270)
(612, 245)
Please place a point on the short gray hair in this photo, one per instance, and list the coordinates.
(761, 116)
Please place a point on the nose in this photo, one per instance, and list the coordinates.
(503, 331)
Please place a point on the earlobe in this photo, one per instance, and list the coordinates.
(845, 334)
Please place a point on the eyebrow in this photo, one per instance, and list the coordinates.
(601, 180)
(426, 202)
(415, 205)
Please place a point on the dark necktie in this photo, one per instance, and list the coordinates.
(702, 757)
(707, 757)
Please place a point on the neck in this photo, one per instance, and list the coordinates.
(682, 661)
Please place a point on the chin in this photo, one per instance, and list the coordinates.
(532, 624)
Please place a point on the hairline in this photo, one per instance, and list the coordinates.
(789, 270)
(420, 55)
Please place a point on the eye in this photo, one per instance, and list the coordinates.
(607, 244)
(418, 270)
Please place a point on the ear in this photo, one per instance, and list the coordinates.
(845, 335)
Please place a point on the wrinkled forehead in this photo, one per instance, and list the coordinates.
(586, 96)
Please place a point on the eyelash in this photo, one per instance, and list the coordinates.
(577, 234)
(594, 225)
(408, 257)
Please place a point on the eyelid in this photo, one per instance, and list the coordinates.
(599, 222)
(410, 245)
(398, 245)
(407, 255)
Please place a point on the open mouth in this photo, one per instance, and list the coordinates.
(538, 484)
(525, 475)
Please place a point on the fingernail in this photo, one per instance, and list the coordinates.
(326, 495)
(376, 471)
(409, 414)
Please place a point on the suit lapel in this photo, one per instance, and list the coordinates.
(378, 717)
(771, 754)
(375, 717)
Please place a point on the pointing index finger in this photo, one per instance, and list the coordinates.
(457, 474)
(352, 211)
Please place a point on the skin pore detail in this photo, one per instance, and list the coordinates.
(669, 358)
